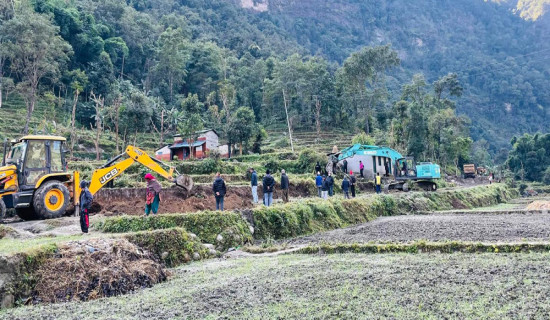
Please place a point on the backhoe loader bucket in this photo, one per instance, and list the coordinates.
(185, 182)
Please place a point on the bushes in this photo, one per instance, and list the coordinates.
(304, 217)
(172, 246)
(207, 225)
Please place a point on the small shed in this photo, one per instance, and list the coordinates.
(164, 153)
(207, 140)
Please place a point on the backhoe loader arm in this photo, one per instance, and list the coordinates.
(113, 169)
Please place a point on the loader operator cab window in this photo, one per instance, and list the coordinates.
(17, 153)
(55, 152)
(35, 165)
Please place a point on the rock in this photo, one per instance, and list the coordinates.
(7, 301)
(186, 257)
(219, 238)
(192, 236)
(231, 249)
(90, 249)
(196, 256)
(251, 228)
(212, 252)
(164, 255)
(209, 246)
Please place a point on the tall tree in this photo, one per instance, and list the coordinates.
(242, 126)
(78, 83)
(36, 52)
(172, 55)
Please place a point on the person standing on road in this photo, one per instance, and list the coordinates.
(352, 182)
(345, 166)
(152, 200)
(378, 183)
(86, 200)
(268, 184)
(330, 181)
(284, 185)
(219, 191)
(318, 167)
(324, 188)
(254, 184)
(345, 187)
(361, 168)
(319, 183)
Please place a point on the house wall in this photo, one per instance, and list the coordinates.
(163, 154)
(212, 140)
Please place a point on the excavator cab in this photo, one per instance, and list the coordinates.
(34, 178)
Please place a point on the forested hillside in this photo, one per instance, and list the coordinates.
(501, 59)
(394, 69)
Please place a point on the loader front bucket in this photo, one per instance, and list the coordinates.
(184, 181)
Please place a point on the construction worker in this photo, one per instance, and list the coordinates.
(345, 187)
(254, 185)
(284, 186)
(378, 183)
(345, 166)
(319, 183)
(219, 191)
(361, 168)
(330, 183)
(152, 194)
(268, 186)
(352, 182)
(86, 200)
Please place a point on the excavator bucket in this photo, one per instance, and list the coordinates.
(185, 182)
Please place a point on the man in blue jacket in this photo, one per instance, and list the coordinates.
(319, 183)
(254, 184)
(219, 189)
(345, 187)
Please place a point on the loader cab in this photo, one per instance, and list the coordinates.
(35, 157)
(406, 168)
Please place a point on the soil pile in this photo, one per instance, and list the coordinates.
(539, 205)
(91, 269)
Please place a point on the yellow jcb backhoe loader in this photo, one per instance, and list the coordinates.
(34, 177)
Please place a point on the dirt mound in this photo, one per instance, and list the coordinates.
(539, 205)
(91, 269)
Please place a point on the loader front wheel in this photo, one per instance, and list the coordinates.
(51, 200)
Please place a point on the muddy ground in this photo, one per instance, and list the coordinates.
(440, 227)
(349, 286)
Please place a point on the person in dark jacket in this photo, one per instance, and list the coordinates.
(345, 166)
(352, 182)
(86, 200)
(345, 187)
(219, 191)
(254, 184)
(319, 183)
(318, 167)
(268, 185)
(324, 188)
(152, 194)
(330, 182)
(284, 185)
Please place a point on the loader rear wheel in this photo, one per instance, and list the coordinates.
(26, 213)
(2, 210)
(51, 200)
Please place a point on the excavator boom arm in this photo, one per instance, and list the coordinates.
(101, 176)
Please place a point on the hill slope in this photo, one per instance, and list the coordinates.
(500, 57)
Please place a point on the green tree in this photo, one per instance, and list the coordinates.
(36, 52)
(172, 56)
(363, 138)
(242, 126)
